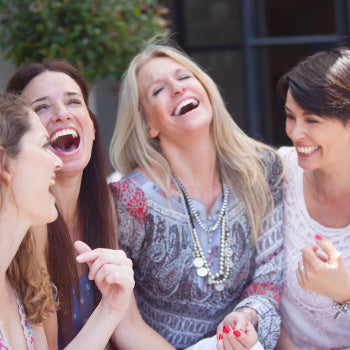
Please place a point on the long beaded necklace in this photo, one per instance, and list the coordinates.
(219, 279)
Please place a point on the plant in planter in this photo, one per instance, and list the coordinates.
(98, 36)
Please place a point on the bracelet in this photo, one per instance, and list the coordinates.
(252, 316)
(340, 308)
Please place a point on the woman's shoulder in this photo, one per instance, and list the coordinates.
(286, 153)
(290, 160)
(130, 184)
(129, 196)
(273, 165)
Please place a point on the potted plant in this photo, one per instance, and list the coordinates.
(98, 36)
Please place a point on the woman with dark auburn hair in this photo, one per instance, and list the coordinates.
(316, 190)
(58, 93)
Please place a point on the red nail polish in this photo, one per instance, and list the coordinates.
(226, 329)
(220, 336)
(318, 237)
(237, 332)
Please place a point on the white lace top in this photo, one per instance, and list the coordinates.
(308, 317)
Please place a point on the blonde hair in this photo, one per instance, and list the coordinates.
(239, 156)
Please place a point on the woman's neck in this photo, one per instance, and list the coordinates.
(195, 164)
(67, 190)
(332, 183)
(12, 232)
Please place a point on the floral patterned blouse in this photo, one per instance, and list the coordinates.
(172, 298)
(27, 329)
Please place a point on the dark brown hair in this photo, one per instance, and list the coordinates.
(320, 84)
(95, 208)
(24, 273)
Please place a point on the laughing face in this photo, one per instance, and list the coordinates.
(59, 103)
(34, 174)
(174, 101)
(319, 142)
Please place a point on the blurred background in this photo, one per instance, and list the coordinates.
(245, 45)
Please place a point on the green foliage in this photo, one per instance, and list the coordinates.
(98, 36)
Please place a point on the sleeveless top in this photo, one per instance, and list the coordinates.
(83, 307)
(27, 329)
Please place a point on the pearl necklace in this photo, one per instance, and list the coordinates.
(195, 212)
(220, 279)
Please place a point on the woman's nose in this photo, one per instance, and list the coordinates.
(177, 87)
(295, 131)
(60, 113)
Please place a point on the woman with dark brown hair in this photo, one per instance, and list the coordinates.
(316, 193)
(58, 93)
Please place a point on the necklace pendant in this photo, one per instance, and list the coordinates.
(202, 271)
(228, 252)
(198, 262)
(228, 283)
(219, 287)
(229, 262)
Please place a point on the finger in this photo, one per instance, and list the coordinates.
(84, 250)
(113, 257)
(220, 343)
(230, 340)
(328, 248)
(299, 272)
(81, 247)
(309, 254)
(122, 276)
(322, 257)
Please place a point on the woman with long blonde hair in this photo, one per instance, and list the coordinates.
(199, 210)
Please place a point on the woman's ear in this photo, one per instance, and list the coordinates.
(152, 133)
(5, 169)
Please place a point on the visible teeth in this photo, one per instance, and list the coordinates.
(183, 104)
(64, 133)
(52, 182)
(307, 149)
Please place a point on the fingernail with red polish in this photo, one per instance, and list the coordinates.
(226, 329)
(318, 237)
(220, 336)
(237, 332)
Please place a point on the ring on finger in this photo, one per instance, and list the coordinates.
(300, 268)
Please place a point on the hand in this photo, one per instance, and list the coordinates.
(324, 275)
(236, 332)
(112, 272)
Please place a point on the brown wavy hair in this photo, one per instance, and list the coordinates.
(95, 204)
(25, 275)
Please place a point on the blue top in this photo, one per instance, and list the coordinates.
(83, 308)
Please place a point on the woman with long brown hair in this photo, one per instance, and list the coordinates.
(27, 174)
(58, 93)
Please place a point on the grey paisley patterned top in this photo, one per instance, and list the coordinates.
(172, 298)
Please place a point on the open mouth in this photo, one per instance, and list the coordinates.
(185, 107)
(65, 141)
(307, 149)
